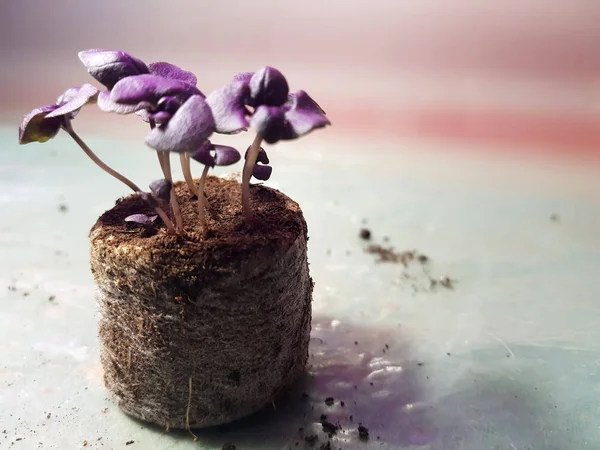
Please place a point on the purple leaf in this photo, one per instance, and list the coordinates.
(262, 156)
(189, 127)
(216, 155)
(203, 154)
(268, 87)
(161, 189)
(110, 66)
(269, 121)
(141, 219)
(296, 118)
(305, 114)
(36, 128)
(225, 155)
(244, 77)
(162, 113)
(73, 100)
(159, 117)
(261, 172)
(150, 88)
(106, 104)
(228, 107)
(164, 69)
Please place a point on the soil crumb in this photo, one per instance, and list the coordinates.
(365, 234)
(329, 401)
(311, 440)
(363, 433)
(228, 446)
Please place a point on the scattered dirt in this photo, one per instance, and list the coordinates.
(228, 446)
(554, 217)
(52, 298)
(329, 401)
(129, 442)
(63, 208)
(417, 266)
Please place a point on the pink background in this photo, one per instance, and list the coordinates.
(521, 73)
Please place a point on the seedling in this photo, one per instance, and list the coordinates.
(44, 123)
(262, 101)
(181, 120)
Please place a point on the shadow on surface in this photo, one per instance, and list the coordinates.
(368, 372)
(387, 389)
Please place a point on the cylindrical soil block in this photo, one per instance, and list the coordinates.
(208, 327)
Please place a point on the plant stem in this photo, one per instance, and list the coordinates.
(174, 203)
(184, 158)
(202, 201)
(161, 160)
(159, 155)
(134, 187)
(88, 151)
(247, 174)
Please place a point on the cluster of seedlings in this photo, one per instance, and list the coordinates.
(182, 120)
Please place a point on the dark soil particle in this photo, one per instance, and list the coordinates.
(129, 442)
(363, 433)
(365, 234)
(63, 208)
(329, 428)
(323, 417)
(311, 440)
(228, 446)
(342, 404)
(329, 401)
(304, 396)
(326, 446)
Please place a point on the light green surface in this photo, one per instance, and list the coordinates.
(521, 326)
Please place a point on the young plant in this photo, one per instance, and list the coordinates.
(44, 123)
(262, 101)
(154, 92)
(211, 155)
(180, 120)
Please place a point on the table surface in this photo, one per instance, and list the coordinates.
(507, 359)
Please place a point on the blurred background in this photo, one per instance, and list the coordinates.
(516, 74)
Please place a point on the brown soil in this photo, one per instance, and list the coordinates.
(201, 329)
